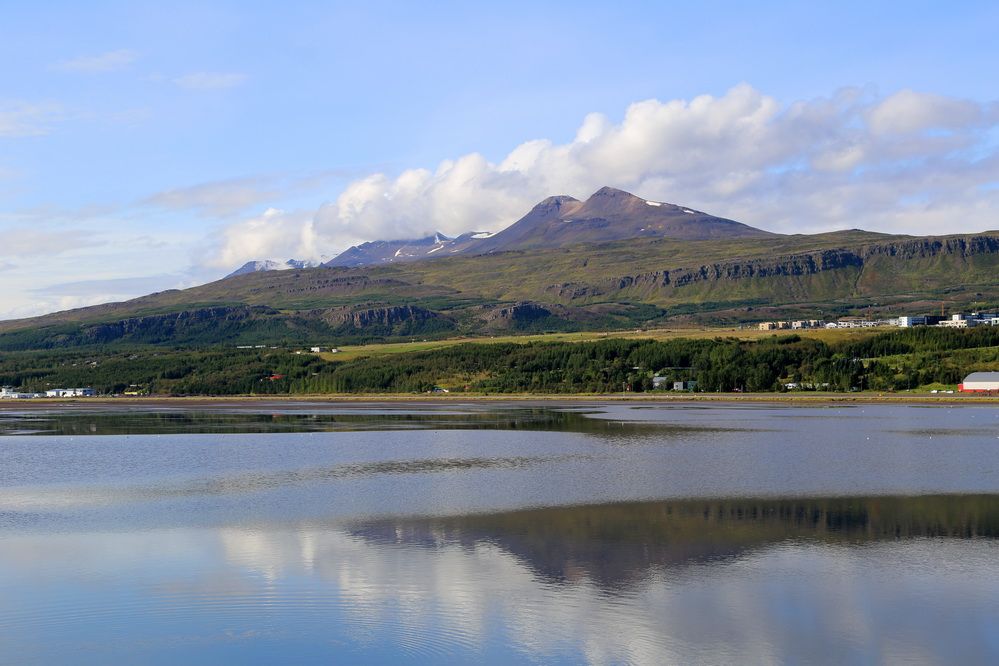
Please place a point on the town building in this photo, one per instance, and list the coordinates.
(71, 393)
(980, 382)
(12, 394)
(958, 321)
(794, 325)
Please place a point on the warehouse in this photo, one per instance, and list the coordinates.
(980, 382)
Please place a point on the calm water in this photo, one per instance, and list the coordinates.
(483, 533)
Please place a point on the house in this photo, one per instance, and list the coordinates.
(980, 382)
(317, 350)
(71, 393)
(659, 382)
(956, 322)
(9, 393)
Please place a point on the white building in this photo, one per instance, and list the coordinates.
(71, 393)
(10, 394)
(958, 323)
(980, 382)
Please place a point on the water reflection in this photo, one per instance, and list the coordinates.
(109, 420)
(617, 543)
(812, 580)
(478, 534)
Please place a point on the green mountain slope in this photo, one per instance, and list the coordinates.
(616, 284)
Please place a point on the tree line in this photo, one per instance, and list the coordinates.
(891, 361)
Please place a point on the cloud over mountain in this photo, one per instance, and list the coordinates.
(906, 162)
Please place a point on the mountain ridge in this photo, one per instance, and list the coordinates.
(272, 265)
(404, 250)
(542, 273)
(601, 286)
(609, 214)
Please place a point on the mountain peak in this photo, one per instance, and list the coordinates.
(553, 204)
(607, 191)
(609, 214)
(272, 265)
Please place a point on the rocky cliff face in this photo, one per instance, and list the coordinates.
(385, 320)
(527, 316)
(222, 323)
(377, 316)
(967, 246)
(796, 265)
(170, 326)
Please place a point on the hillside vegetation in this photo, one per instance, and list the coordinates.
(639, 282)
(896, 360)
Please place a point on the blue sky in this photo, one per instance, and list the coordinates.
(146, 146)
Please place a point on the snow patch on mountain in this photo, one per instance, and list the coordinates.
(272, 265)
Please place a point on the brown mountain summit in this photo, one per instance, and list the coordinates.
(610, 215)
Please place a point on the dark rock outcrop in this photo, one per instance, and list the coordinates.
(174, 325)
(377, 316)
(795, 265)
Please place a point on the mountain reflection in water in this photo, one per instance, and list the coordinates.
(111, 420)
(615, 544)
(465, 533)
(843, 580)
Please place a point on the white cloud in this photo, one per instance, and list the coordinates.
(210, 80)
(908, 111)
(33, 242)
(96, 64)
(219, 198)
(275, 234)
(908, 162)
(19, 119)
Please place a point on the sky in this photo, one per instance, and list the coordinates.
(149, 146)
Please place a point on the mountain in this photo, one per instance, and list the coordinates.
(271, 265)
(613, 261)
(559, 221)
(611, 215)
(395, 251)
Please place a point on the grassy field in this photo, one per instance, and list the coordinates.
(351, 352)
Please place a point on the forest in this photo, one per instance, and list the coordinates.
(905, 359)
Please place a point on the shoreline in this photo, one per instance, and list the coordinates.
(540, 399)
